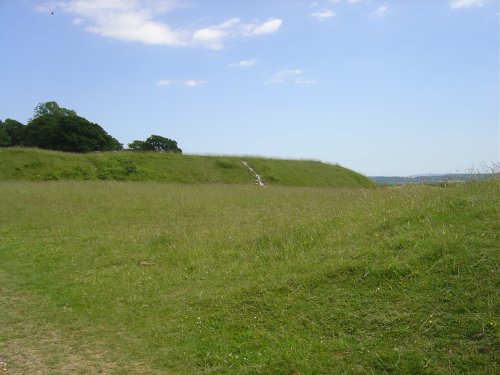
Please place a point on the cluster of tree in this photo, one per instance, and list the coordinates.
(155, 143)
(11, 133)
(56, 128)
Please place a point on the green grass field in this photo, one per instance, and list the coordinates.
(153, 278)
(43, 165)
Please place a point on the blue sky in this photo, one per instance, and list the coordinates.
(394, 87)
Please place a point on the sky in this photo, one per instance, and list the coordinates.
(384, 87)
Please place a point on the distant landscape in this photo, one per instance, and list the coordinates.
(431, 178)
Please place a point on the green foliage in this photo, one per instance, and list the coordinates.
(155, 143)
(68, 133)
(53, 109)
(115, 168)
(16, 132)
(165, 279)
(137, 145)
(57, 128)
(162, 144)
(5, 140)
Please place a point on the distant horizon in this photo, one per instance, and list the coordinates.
(385, 88)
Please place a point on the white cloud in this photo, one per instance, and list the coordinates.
(355, 1)
(284, 75)
(305, 82)
(455, 4)
(188, 83)
(292, 76)
(137, 20)
(244, 63)
(210, 37)
(267, 27)
(214, 37)
(323, 14)
(229, 23)
(163, 83)
(138, 28)
(381, 11)
(193, 83)
(130, 20)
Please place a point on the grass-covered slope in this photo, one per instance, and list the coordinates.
(148, 278)
(306, 173)
(35, 164)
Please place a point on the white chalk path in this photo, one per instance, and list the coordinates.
(258, 179)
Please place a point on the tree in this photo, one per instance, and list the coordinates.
(155, 143)
(51, 108)
(15, 130)
(137, 145)
(68, 132)
(5, 140)
(162, 144)
(57, 128)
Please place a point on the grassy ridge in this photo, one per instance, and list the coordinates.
(34, 164)
(307, 173)
(156, 278)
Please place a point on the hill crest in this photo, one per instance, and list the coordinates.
(43, 165)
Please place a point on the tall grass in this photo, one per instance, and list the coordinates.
(128, 277)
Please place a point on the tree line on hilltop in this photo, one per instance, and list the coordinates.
(56, 128)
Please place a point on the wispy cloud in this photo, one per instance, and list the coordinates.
(214, 37)
(355, 1)
(268, 27)
(284, 75)
(244, 63)
(291, 76)
(381, 11)
(306, 82)
(187, 83)
(163, 83)
(137, 21)
(193, 83)
(455, 4)
(323, 14)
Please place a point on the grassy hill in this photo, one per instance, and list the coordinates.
(152, 278)
(36, 164)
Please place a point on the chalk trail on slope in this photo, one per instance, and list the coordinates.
(258, 179)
